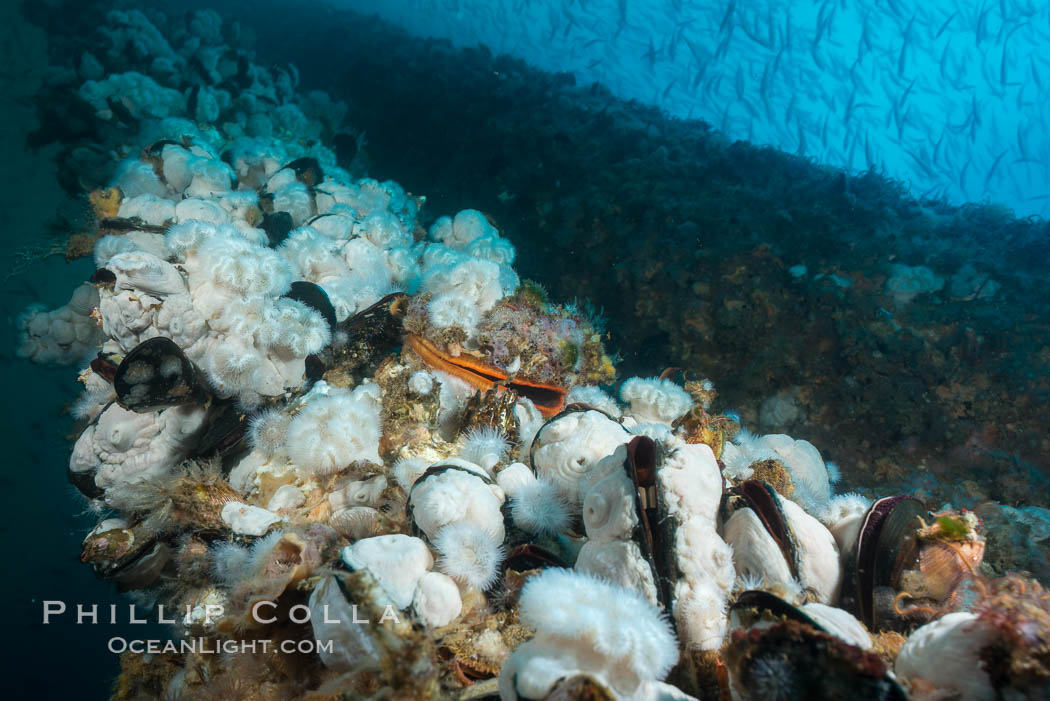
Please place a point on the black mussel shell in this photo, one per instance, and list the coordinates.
(579, 688)
(899, 542)
(368, 335)
(224, 432)
(104, 367)
(201, 72)
(84, 481)
(312, 221)
(440, 468)
(886, 542)
(156, 149)
(761, 498)
(318, 217)
(119, 225)
(277, 225)
(313, 296)
(545, 397)
(529, 556)
(655, 536)
(155, 375)
(120, 111)
(104, 277)
(143, 570)
(754, 605)
(307, 170)
(266, 203)
(792, 660)
(315, 368)
(193, 97)
(433, 471)
(573, 408)
(126, 556)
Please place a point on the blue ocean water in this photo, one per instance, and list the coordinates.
(46, 520)
(950, 98)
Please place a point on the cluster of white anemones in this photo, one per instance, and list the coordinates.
(215, 282)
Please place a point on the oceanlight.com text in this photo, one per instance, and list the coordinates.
(208, 646)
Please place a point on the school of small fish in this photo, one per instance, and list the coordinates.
(950, 98)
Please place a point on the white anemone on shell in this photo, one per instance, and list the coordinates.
(397, 561)
(569, 447)
(585, 626)
(948, 653)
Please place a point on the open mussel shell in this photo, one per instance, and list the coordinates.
(315, 368)
(777, 650)
(886, 545)
(368, 335)
(155, 375)
(126, 556)
(277, 225)
(522, 562)
(529, 556)
(313, 296)
(754, 606)
(117, 226)
(266, 206)
(549, 399)
(763, 500)
(105, 366)
(84, 481)
(121, 115)
(307, 170)
(794, 660)
(102, 276)
(655, 534)
(156, 149)
(144, 570)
